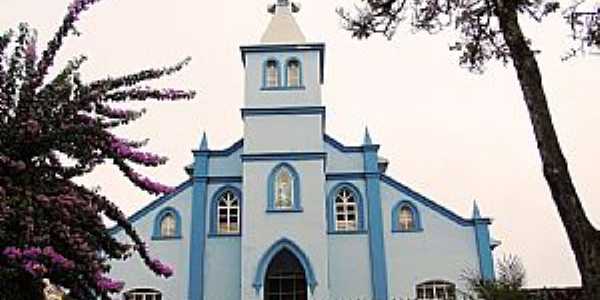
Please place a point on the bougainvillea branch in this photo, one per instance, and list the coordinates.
(53, 129)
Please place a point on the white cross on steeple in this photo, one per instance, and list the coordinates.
(283, 3)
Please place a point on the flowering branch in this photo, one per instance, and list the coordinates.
(51, 227)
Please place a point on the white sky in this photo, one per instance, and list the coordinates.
(451, 135)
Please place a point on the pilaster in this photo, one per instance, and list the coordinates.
(198, 223)
(375, 222)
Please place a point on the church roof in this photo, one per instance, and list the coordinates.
(283, 28)
(336, 145)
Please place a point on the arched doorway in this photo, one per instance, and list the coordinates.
(285, 278)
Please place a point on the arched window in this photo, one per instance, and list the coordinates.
(437, 289)
(167, 225)
(293, 73)
(228, 211)
(143, 294)
(344, 209)
(346, 218)
(284, 188)
(284, 185)
(405, 218)
(271, 79)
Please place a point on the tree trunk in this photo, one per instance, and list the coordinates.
(583, 237)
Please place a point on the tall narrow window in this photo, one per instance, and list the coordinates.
(168, 225)
(271, 74)
(406, 219)
(346, 217)
(293, 73)
(284, 186)
(228, 211)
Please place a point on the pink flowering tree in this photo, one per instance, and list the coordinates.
(53, 129)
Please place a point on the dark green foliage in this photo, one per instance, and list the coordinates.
(508, 284)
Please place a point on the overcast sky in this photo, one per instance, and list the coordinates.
(451, 135)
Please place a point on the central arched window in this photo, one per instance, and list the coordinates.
(228, 210)
(284, 185)
(293, 73)
(143, 294)
(271, 79)
(438, 290)
(346, 216)
(283, 189)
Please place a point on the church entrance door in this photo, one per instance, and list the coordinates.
(285, 279)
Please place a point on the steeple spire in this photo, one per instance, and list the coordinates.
(283, 28)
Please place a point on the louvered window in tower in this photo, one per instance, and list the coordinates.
(293, 73)
(272, 74)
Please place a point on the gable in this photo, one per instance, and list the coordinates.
(154, 205)
(426, 202)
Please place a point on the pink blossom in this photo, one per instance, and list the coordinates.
(35, 268)
(161, 268)
(78, 6)
(32, 253)
(68, 265)
(30, 51)
(147, 184)
(13, 253)
(126, 151)
(57, 259)
(107, 284)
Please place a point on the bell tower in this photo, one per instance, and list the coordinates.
(283, 160)
(283, 76)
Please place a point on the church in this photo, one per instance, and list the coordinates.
(289, 212)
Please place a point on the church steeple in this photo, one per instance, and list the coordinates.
(283, 28)
(283, 70)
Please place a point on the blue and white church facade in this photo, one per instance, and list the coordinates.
(288, 212)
